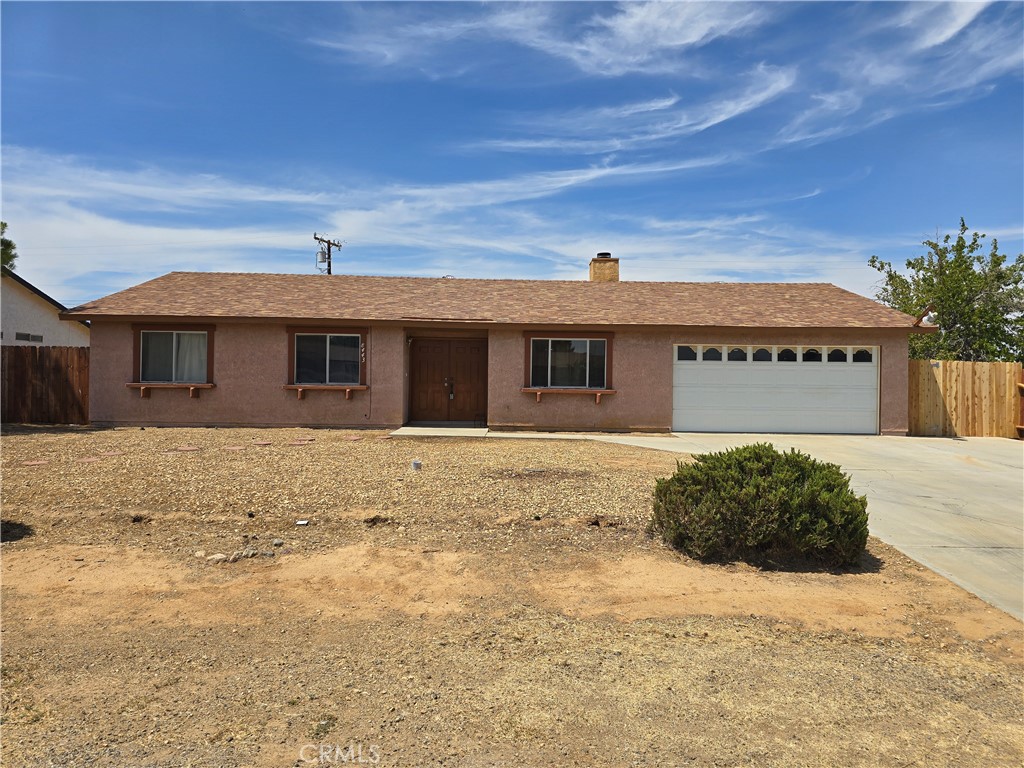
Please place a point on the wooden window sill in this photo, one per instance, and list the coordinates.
(348, 389)
(596, 393)
(145, 388)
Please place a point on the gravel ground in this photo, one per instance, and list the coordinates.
(502, 605)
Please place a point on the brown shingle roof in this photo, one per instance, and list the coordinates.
(529, 302)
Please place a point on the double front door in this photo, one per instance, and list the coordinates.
(448, 380)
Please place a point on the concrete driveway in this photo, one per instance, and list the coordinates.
(955, 505)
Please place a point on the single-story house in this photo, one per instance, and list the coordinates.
(28, 317)
(195, 348)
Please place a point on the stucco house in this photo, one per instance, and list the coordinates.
(30, 317)
(603, 354)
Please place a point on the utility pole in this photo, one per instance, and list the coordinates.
(324, 254)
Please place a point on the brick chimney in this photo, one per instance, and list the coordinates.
(604, 269)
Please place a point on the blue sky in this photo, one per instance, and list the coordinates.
(720, 141)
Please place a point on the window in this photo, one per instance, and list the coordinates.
(327, 356)
(32, 337)
(323, 358)
(569, 363)
(812, 355)
(780, 354)
(173, 357)
(837, 355)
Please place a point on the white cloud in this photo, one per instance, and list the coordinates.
(644, 37)
(881, 61)
(116, 219)
(933, 24)
(33, 175)
(638, 125)
(633, 37)
(76, 255)
(489, 228)
(926, 55)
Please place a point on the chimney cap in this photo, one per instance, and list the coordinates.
(604, 255)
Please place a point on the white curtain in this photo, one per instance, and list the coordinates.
(190, 358)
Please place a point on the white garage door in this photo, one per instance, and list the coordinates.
(741, 388)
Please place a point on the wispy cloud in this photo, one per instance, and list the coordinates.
(31, 175)
(634, 37)
(520, 226)
(642, 37)
(641, 124)
(899, 58)
(139, 220)
(933, 24)
(923, 55)
(121, 225)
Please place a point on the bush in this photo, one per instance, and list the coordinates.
(761, 506)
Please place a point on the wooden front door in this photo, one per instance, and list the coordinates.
(448, 380)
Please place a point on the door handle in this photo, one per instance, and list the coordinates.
(451, 391)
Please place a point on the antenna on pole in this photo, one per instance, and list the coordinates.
(323, 256)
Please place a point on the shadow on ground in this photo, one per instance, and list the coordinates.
(14, 531)
(50, 429)
(867, 563)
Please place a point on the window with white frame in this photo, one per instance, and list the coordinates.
(716, 353)
(173, 357)
(328, 358)
(569, 363)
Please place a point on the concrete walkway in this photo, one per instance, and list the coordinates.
(956, 505)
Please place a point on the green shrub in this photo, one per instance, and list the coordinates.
(761, 506)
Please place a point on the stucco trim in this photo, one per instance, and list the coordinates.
(597, 394)
(145, 387)
(301, 389)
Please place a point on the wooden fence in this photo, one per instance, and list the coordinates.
(44, 385)
(958, 399)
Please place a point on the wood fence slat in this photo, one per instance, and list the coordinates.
(913, 399)
(1020, 406)
(44, 385)
(954, 398)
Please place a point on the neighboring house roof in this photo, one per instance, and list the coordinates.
(8, 272)
(523, 302)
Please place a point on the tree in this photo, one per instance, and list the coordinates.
(977, 300)
(10, 254)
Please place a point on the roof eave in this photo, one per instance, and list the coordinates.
(484, 322)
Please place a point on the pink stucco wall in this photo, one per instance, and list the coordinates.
(250, 369)
(642, 377)
(251, 360)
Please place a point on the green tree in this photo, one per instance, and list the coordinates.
(10, 254)
(977, 299)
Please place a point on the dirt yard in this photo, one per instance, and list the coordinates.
(501, 606)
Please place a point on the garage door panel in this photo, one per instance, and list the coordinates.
(775, 375)
(776, 396)
(725, 397)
